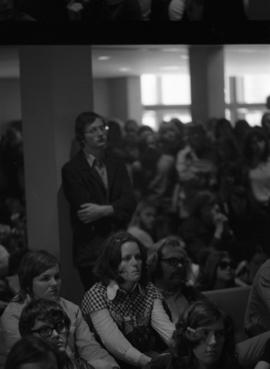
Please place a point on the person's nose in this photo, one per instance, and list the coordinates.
(55, 334)
(53, 282)
(212, 339)
(134, 261)
(101, 130)
(179, 265)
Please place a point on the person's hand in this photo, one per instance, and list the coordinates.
(219, 220)
(89, 212)
(159, 361)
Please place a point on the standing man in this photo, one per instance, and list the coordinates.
(99, 192)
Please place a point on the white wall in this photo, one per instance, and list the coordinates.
(118, 97)
(101, 97)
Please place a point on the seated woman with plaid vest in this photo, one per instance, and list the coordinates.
(125, 309)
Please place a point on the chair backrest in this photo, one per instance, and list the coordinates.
(232, 301)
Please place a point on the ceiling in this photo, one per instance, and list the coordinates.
(123, 60)
(139, 59)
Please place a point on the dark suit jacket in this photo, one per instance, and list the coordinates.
(82, 184)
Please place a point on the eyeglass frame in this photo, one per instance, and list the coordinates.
(59, 330)
(95, 130)
(202, 333)
(174, 262)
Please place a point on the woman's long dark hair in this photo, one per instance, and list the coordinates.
(208, 276)
(199, 314)
(106, 268)
(247, 147)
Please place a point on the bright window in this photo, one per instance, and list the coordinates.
(166, 89)
(149, 90)
(252, 116)
(183, 115)
(165, 97)
(255, 89)
(227, 93)
(150, 119)
(175, 89)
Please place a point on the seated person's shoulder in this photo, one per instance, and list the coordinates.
(98, 287)
(152, 290)
(69, 306)
(98, 290)
(11, 314)
(14, 308)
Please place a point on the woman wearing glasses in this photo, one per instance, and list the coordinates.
(46, 319)
(39, 277)
(218, 272)
(125, 309)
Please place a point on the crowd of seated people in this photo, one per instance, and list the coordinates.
(39, 277)
(130, 318)
(12, 209)
(201, 190)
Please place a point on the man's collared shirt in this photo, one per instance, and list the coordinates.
(99, 166)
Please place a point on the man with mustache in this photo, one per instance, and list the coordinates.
(99, 191)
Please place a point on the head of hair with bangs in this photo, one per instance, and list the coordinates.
(41, 310)
(83, 121)
(201, 314)
(107, 265)
(32, 265)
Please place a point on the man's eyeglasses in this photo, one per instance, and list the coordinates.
(226, 264)
(46, 331)
(96, 130)
(174, 262)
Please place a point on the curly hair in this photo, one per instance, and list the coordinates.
(199, 314)
(106, 268)
(43, 310)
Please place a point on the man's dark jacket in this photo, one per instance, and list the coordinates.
(82, 184)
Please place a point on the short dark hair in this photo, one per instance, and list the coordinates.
(106, 268)
(83, 120)
(33, 264)
(32, 350)
(202, 313)
(43, 310)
